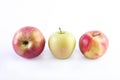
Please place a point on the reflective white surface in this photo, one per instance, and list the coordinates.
(74, 16)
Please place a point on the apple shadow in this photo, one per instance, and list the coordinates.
(45, 55)
(77, 54)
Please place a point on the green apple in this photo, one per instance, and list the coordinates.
(62, 44)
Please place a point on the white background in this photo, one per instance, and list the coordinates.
(75, 16)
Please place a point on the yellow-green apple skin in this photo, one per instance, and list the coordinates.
(93, 44)
(28, 42)
(62, 44)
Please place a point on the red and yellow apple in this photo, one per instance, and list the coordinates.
(93, 44)
(62, 44)
(28, 42)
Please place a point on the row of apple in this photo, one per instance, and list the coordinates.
(29, 42)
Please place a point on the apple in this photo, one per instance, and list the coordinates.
(62, 44)
(93, 44)
(28, 42)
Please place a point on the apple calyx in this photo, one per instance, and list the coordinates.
(25, 42)
(96, 34)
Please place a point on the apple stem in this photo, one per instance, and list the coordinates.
(60, 30)
(96, 34)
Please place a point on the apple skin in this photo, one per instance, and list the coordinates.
(62, 44)
(28, 42)
(93, 44)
